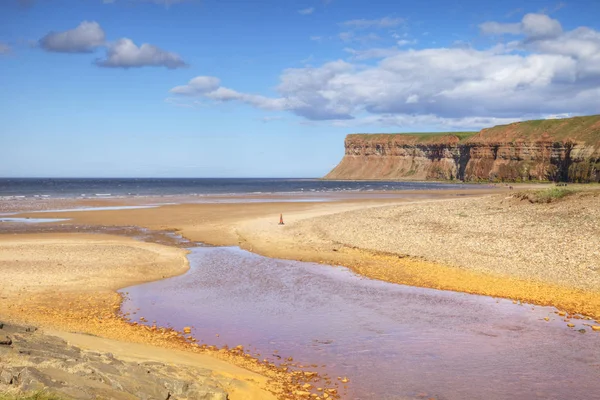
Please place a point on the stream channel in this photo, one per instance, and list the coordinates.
(392, 341)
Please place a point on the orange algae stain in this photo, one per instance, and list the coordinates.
(416, 272)
(96, 313)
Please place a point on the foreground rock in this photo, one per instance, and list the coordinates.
(31, 361)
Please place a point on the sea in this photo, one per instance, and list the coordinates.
(140, 187)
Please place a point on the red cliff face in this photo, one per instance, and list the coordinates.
(398, 159)
(566, 150)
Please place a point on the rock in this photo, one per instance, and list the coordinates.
(187, 330)
(204, 394)
(31, 379)
(596, 327)
(571, 325)
(7, 377)
(6, 342)
(72, 373)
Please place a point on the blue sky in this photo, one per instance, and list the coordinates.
(270, 88)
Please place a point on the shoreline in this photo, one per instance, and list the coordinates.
(87, 312)
(253, 227)
(245, 225)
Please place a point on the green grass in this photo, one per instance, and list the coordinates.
(546, 195)
(580, 129)
(420, 136)
(31, 396)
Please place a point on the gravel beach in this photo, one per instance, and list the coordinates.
(555, 243)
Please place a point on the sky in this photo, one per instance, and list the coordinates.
(270, 88)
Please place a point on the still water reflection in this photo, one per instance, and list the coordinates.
(393, 341)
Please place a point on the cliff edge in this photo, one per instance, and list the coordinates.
(542, 150)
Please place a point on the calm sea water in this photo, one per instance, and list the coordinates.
(34, 187)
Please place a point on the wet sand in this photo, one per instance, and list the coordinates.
(66, 283)
(392, 341)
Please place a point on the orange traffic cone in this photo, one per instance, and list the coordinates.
(281, 219)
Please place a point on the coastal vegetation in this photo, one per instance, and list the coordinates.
(546, 195)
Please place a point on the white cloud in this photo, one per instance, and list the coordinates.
(498, 28)
(123, 53)
(85, 38)
(405, 42)
(5, 48)
(412, 99)
(316, 38)
(209, 87)
(352, 37)
(306, 11)
(533, 26)
(126, 54)
(198, 85)
(539, 26)
(405, 120)
(460, 86)
(374, 53)
(385, 22)
(559, 116)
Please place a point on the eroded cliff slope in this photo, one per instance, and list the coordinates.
(542, 150)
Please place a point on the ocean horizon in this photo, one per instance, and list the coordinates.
(139, 187)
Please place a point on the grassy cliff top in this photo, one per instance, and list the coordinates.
(577, 129)
(425, 137)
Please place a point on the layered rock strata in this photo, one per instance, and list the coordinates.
(552, 150)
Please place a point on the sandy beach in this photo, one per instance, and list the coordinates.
(481, 241)
(66, 284)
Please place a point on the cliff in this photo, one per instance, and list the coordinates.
(542, 150)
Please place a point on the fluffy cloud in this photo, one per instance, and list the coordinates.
(306, 11)
(123, 53)
(559, 72)
(85, 38)
(210, 87)
(534, 26)
(198, 86)
(126, 54)
(4, 48)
